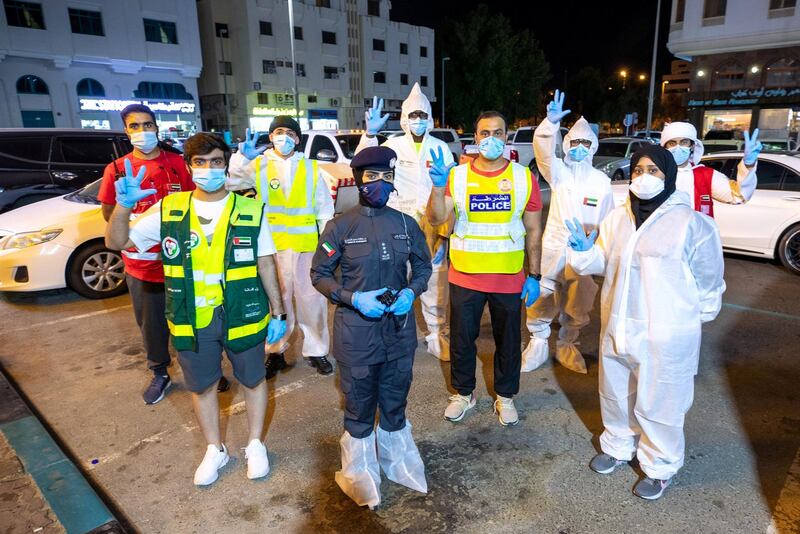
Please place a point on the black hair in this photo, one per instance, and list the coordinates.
(202, 143)
(491, 114)
(136, 108)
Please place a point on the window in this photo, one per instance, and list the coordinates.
(221, 30)
(423, 51)
(379, 77)
(298, 33)
(329, 37)
(86, 22)
(225, 68)
(404, 49)
(769, 175)
(323, 3)
(263, 99)
(783, 72)
(24, 152)
(162, 90)
(729, 75)
(321, 142)
(379, 45)
(781, 4)
(159, 31)
(268, 66)
(680, 9)
(791, 181)
(32, 85)
(423, 81)
(90, 149)
(714, 8)
(331, 73)
(374, 8)
(524, 136)
(37, 119)
(90, 87)
(404, 79)
(311, 99)
(300, 70)
(24, 14)
(444, 135)
(265, 27)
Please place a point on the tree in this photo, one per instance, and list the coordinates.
(491, 67)
(586, 94)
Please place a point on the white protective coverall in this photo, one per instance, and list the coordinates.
(577, 190)
(662, 282)
(723, 189)
(304, 305)
(413, 185)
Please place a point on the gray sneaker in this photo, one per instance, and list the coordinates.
(650, 488)
(605, 463)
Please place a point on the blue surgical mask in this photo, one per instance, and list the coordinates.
(491, 148)
(144, 141)
(680, 153)
(209, 180)
(418, 126)
(376, 194)
(578, 153)
(283, 144)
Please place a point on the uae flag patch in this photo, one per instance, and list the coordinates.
(329, 250)
(245, 241)
(589, 201)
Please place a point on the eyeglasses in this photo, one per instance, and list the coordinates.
(418, 115)
(651, 169)
(374, 176)
(585, 142)
(686, 143)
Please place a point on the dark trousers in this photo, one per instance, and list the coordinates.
(466, 308)
(148, 308)
(368, 387)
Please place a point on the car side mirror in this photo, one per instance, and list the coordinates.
(326, 154)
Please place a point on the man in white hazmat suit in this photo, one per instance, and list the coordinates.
(663, 270)
(703, 184)
(577, 190)
(413, 185)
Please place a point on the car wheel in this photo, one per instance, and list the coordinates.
(96, 272)
(618, 175)
(789, 249)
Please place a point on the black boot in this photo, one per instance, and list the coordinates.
(322, 364)
(275, 362)
(223, 384)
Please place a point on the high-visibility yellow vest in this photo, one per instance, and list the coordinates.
(293, 220)
(488, 235)
(199, 276)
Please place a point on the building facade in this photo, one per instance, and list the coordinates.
(346, 51)
(77, 64)
(744, 69)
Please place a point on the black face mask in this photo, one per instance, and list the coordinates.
(375, 194)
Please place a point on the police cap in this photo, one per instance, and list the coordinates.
(376, 158)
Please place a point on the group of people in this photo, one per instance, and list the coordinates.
(230, 251)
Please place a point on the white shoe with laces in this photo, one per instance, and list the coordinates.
(257, 459)
(506, 411)
(459, 406)
(208, 470)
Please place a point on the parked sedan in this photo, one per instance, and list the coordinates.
(58, 243)
(613, 156)
(768, 226)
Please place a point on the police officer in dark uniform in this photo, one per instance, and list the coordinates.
(374, 332)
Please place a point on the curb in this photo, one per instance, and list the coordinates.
(72, 499)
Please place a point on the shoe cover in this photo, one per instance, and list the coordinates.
(360, 477)
(438, 345)
(570, 357)
(400, 460)
(535, 354)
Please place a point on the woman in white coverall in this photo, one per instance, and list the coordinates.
(663, 269)
(578, 191)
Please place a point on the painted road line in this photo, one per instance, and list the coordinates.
(787, 509)
(66, 319)
(239, 407)
(771, 313)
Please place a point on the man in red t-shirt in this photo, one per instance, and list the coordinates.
(498, 225)
(166, 173)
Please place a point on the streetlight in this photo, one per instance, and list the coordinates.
(624, 75)
(443, 60)
(650, 96)
(642, 77)
(294, 64)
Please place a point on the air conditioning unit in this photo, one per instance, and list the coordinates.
(335, 102)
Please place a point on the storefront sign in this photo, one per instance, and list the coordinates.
(273, 112)
(746, 97)
(159, 106)
(318, 114)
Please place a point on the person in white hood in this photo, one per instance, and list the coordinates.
(577, 191)
(703, 184)
(413, 184)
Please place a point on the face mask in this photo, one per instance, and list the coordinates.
(283, 144)
(680, 153)
(647, 186)
(209, 180)
(577, 153)
(418, 126)
(376, 194)
(491, 148)
(144, 141)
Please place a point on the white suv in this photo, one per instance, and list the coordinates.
(523, 144)
(449, 136)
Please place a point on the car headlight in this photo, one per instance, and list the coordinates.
(29, 239)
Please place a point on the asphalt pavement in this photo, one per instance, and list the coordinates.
(80, 363)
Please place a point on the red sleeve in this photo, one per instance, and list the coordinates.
(535, 200)
(107, 194)
(183, 173)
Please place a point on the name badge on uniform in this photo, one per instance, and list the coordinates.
(496, 202)
(355, 240)
(243, 254)
(407, 163)
(400, 236)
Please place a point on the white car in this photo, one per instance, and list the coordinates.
(449, 136)
(522, 142)
(768, 226)
(58, 243)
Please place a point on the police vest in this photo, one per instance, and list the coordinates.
(292, 220)
(198, 277)
(489, 236)
(703, 201)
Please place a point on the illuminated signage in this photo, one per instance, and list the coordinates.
(263, 110)
(159, 106)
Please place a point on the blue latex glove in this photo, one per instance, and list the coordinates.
(555, 109)
(439, 169)
(530, 291)
(375, 121)
(752, 147)
(578, 240)
(403, 303)
(129, 187)
(276, 329)
(247, 148)
(439, 256)
(367, 303)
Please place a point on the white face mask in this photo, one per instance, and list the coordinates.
(647, 186)
(283, 144)
(144, 141)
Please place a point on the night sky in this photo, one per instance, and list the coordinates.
(608, 35)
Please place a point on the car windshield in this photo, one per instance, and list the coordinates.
(349, 142)
(87, 195)
(775, 145)
(711, 148)
(616, 150)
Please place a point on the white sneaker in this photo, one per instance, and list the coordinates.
(257, 460)
(213, 461)
(505, 410)
(438, 346)
(458, 407)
